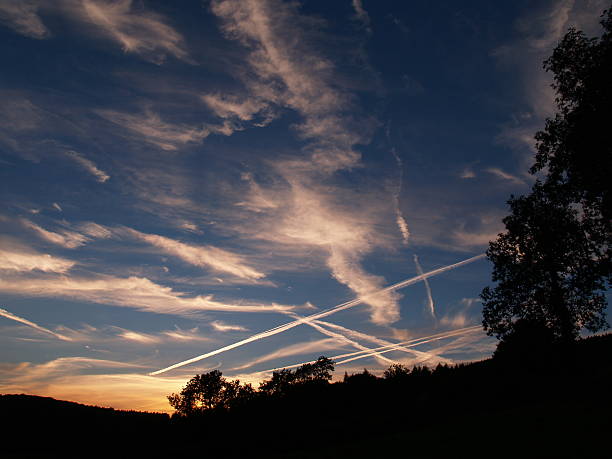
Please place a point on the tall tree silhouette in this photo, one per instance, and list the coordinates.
(209, 391)
(552, 263)
(575, 148)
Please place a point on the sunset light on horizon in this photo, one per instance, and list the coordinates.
(247, 185)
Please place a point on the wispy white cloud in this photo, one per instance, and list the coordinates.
(231, 107)
(202, 256)
(167, 136)
(467, 173)
(15, 259)
(313, 218)
(288, 72)
(134, 28)
(486, 228)
(11, 316)
(143, 338)
(94, 230)
(22, 16)
(136, 292)
(292, 75)
(463, 316)
(64, 238)
(361, 14)
(108, 336)
(88, 166)
(181, 335)
(497, 172)
(57, 207)
(224, 327)
(538, 32)
(399, 217)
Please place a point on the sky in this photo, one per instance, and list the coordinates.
(248, 185)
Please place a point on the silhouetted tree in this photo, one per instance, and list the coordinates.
(209, 391)
(543, 268)
(396, 371)
(363, 378)
(575, 148)
(552, 263)
(316, 372)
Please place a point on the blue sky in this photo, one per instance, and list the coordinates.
(179, 176)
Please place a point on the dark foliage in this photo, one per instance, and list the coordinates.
(544, 272)
(483, 404)
(209, 391)
(284, 381)
(576, 146)
(552, 264)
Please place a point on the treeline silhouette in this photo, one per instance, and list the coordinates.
(539, 403)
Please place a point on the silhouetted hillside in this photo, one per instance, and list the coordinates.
(550, 403)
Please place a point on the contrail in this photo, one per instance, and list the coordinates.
(392, 347)
(430, 302)
(424, 341)
(317, 325)
(10, 315)
(373, 339)
(319, 315)
(399, 218)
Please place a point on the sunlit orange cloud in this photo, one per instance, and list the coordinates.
(308, 217)
(135, 292)
(22, 260)
(111, 334)
(88, 166)
(209, 257)
(303, 215)
(136, 30)
(115, 384)
(64, 238)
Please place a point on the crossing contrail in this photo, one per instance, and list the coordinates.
(395, 347)
(391, 347)
(318, 325)
(430, 303)
(319, 315)
(10, 315)
(373, 339)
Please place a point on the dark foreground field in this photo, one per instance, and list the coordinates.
(553, 404)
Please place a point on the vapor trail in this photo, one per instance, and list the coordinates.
(424, 341)
(430, 302)
(319, 315)
(10, 315)
(373, 339)
(399, 218)
(392, 347)
(340, 337)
